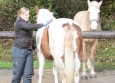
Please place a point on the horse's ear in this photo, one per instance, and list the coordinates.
(49, 8)
(88, 1)
(37, 9)
(100, 2)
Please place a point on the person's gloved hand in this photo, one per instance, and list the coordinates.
(47, 23)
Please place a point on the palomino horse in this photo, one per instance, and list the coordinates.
(60, 41)
(88, 21)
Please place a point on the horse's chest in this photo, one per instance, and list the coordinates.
(88, 40)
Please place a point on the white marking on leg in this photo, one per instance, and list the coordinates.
(55, 72)
(41, 65)
(88, 63)
(77, 67)
(92, 68)
(84, 69)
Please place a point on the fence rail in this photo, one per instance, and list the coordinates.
(86, 34)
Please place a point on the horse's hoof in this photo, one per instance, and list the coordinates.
(93, 76)
(84, 77)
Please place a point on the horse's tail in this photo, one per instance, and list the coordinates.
(69, 56)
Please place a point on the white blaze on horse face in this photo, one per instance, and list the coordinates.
(94, 17)
(94, 10)
(44, 15)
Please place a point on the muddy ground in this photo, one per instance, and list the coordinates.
(104, 76)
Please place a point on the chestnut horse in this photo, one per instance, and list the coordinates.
(88, 21)
(60, 41)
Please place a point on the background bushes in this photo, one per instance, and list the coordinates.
(61, 8)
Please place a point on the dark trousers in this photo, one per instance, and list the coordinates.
(22, 65)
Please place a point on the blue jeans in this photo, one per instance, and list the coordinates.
(22, 65)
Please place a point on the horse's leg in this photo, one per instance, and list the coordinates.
(58, 61)
(92, 58)
(77, 66)
(88, 63)
(84, 59)
(41, 59)
(55, 72)
(60, 66)
(88, 57)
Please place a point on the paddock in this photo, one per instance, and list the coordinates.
(104, 76)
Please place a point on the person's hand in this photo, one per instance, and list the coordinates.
(47, 23)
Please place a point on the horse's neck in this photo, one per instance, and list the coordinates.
(87, 17)
(44, 20)
(52, 18)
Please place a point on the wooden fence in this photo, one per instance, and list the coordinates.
(86, 34)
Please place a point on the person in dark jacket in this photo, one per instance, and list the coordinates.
(22, 52)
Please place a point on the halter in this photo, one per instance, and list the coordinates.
(93, 20)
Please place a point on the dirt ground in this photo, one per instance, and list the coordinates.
(102, 77)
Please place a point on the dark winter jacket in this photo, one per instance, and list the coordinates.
(23, 34)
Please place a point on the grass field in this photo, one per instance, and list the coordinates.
(105, 56)
(8, 65)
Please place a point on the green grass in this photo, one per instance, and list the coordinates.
(8, 65)
(48, 64)
(5, 65)
(105, 56)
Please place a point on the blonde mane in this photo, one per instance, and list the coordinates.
(44, 15)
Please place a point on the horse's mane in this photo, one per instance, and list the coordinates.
(45, 15)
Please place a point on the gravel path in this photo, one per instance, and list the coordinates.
(102, 77)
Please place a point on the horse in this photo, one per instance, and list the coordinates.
(60, 42)
(89, 21)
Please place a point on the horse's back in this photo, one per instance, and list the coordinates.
(57, 26)
(61, 21)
